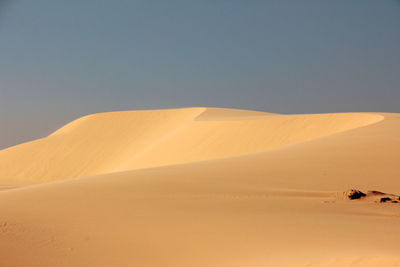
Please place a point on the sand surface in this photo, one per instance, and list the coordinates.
(204, 187)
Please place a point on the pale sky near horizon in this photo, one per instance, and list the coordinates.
(60, 60)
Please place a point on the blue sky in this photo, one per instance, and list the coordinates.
(60, 60)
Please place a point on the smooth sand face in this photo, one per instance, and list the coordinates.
(204, 187)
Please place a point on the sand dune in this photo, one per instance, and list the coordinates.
(204, 187)
(120, 141)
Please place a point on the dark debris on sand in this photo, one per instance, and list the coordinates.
(385, 199)
(381, 197)
(355, 194)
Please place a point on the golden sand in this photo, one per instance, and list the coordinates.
(204, 187)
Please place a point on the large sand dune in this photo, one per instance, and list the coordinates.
(204, 187)
(120, 141)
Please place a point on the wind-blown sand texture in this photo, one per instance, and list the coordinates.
(204, 187)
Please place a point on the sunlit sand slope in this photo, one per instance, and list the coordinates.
(120, 141)
(285, 205)
(90, 145)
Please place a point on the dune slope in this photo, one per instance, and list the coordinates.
(279, 203)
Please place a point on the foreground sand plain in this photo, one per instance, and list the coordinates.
(204, 187)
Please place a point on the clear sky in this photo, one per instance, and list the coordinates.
(63, 59)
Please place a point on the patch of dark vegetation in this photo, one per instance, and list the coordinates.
(395, 201)
(385, 199)
(355, 194)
